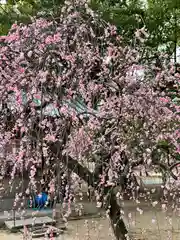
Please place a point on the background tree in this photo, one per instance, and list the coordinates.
(160, 18)
(163, 23)
(21, 11)
(126, 15)
(125, 119)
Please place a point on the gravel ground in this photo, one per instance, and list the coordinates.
(94, 229)
(145, 223)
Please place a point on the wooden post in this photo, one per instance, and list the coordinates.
(14, 217)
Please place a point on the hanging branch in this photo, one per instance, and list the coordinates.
(175, 37)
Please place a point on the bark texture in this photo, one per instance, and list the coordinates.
(115, 215)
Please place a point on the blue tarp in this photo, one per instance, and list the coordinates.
(39, 201)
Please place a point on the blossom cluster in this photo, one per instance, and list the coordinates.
(79, 58)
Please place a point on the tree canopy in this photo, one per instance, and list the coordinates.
(160, 18)
(128, 119)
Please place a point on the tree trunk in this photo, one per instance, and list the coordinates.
(92, 179)
(117, 223)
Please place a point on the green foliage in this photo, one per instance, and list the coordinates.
(163, 22)
(23, 10)
(126, 16)
(160, 17)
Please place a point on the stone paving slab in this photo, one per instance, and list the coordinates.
(29, 213)
(86, 209)
(18, 224)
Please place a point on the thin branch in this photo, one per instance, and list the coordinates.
(174, 165)
(137, 163)
(72, 164)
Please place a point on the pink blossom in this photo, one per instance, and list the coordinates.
(165, 100)
(41, 46)
(50, 138)
(177, 108)
(64, 110)
(52, 187)
(12, 37)
(14, 26)
(21, 70)
(178, 149)
(56, 37)
(37, 96)
(109, 106)
(70, 58)
(113, 30)
(49, 40)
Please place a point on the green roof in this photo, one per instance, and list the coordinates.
(77, 104)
